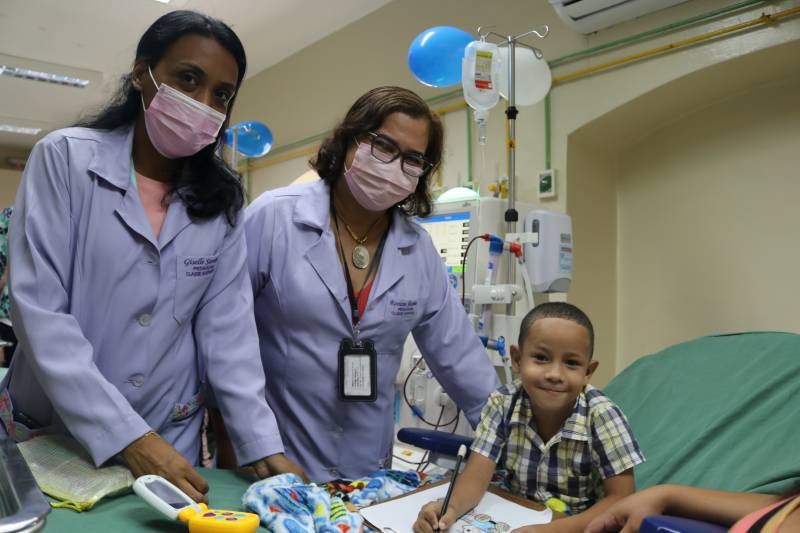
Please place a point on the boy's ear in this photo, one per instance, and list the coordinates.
(590, 370)
(515, 356)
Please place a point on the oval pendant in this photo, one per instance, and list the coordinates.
(360, 257)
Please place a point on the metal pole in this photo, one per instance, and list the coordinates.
(512, 176)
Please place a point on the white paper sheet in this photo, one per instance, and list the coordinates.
(493, 513)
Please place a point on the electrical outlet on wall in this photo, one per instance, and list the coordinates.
(547, 184)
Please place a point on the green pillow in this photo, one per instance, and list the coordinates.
(719, 412)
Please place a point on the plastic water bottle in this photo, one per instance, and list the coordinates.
(480, 75)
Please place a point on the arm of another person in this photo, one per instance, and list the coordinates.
(255, 219)
(448, 341)
(700, 504)
(226, 336)
(95, 411)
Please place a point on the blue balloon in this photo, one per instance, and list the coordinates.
(435, 55)
(253, 139)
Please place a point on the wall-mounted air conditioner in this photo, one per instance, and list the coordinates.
(587, 16)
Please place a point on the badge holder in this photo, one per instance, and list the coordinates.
(358, 363)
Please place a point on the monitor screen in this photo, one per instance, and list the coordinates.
(450, 234)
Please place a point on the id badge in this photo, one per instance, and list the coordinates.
(357, 371)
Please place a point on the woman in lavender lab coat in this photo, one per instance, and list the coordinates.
(342, 274)
(129, 281)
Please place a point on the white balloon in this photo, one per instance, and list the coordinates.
(532, 76)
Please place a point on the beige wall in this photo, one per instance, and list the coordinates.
(594, 121)
(9, 181)
(708, 223)
(592, 205)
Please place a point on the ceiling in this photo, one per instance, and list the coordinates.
(96, 40)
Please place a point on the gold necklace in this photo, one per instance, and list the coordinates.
(360, 256)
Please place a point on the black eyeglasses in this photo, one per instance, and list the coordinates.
(386, 150)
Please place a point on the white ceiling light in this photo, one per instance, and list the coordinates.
(38, 75)
(8, 128)
(163, 1)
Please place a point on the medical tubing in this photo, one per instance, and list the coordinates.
(415, 410)
(495, 251)
(464, 265)
(526, 281)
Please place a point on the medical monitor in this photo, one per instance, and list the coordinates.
(450, 234)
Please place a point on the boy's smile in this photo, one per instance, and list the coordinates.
(554, 365)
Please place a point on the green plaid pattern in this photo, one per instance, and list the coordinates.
(594, 443)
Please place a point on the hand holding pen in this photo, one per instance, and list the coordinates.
(440, 515)
(462, 451)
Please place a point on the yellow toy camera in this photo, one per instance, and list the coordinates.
(175, 504)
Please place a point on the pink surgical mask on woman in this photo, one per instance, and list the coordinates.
(177, 124)
(377, 186)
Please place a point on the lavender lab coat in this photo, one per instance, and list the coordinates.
(303, 312)
(116, 327)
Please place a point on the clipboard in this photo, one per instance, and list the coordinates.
(500, 509)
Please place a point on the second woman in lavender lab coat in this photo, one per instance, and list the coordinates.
(305, 242)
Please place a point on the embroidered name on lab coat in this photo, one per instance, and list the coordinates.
(195, 267)
(405, 309)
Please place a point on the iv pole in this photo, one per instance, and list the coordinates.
(511, 215)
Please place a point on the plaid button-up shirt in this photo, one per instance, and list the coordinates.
(594, 443)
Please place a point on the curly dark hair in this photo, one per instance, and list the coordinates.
(206, 185)
(557, 310)
(366, 115)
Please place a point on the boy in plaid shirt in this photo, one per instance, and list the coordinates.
(555, 435)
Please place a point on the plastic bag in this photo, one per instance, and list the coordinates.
(64, 471)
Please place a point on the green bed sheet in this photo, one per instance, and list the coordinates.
(129, 513)
(719, 412)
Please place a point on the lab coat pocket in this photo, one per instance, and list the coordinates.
(184, 410)
(194, 273)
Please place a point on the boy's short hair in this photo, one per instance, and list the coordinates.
(557, 310)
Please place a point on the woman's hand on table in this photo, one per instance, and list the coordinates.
(150, 454)
(273, 465)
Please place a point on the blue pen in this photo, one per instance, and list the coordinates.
(462, 451)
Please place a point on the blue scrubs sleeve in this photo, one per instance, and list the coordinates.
(62, 359)
(451, 348)
(226, 335)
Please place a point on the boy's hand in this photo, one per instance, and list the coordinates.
(428, 520)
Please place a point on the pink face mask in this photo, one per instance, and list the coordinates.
(177, 124)
(377, 186)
